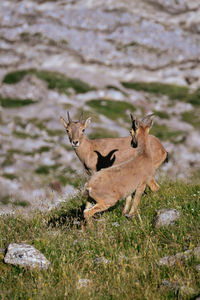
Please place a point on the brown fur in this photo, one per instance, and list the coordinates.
(109, 185)
(86, 149)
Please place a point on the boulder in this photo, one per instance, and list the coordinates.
(26, 256)
(165, 217)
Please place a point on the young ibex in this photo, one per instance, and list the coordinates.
(102, 153)
(109, 185)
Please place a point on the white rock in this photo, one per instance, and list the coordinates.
(165, 217)
(83, 283)
(26, 256)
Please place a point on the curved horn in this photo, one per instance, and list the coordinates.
(147, 118)
(69, 119)
(134, 122)
(81, 118)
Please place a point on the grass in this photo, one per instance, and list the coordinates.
(132, 248)
(9, 176)
(161, 114)
(103, 133)
(191, 117)
(174, 92)
(164, 133)
(15, 103)
(24, 135)
(45, 169)
(112, 109)
(54, 80)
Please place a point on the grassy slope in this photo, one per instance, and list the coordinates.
(132, 247)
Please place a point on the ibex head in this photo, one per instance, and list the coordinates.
(75, 129)
(138, 126)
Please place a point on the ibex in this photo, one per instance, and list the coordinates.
(102, 153)
(109, 185)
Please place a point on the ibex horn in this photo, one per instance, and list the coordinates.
(147, 118)
(81, 118)
(69, 119)
(133, 119)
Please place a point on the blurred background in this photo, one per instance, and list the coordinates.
(106, 58)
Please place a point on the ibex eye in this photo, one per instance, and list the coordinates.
(67, 130)
(83, 130)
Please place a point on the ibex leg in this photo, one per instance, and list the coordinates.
(136, 200)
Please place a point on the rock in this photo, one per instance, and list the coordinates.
(165, 217)
(169, 285)
(115, 224)
(175, 286)
(100, 260)
(2, 250)
(187, 291)
(198, 267)
(26, 256)
(172, 260)
(83, 283)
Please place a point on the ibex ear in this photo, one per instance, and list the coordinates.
(63, 122)
(87, 122)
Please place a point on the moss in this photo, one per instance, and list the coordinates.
(9, 176)
(23, 135)
(161, 114)
(45, 170)
(22, 203)
(54, 132)
(42, 170)
(20, 152)
(8, 160)
(164, 133)
(111, 109)
(14, 103)
(44, 149)
(191, 117)
(55, 80)
(194, 98)
(103, 133)
(172, 91)
(5, 200)
(15, 77)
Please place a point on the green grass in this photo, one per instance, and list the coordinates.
(191, 117)
(55, 80)
(132, 248)
(15, 103)
(24, 135)
(99, 133)
(174, 92)
(9, 176)
(44, 169)
(164, 133)
(112, 109)
(161, 114)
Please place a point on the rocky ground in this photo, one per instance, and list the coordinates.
(106, 58)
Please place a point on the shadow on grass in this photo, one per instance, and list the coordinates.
(75, 217)
(70, 218)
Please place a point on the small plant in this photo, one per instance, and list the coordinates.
(55, 80)
(14, 103)
(112, 109)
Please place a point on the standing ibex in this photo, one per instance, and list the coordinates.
(109, 185)
(102, 153)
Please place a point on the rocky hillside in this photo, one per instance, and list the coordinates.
(106, 58)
